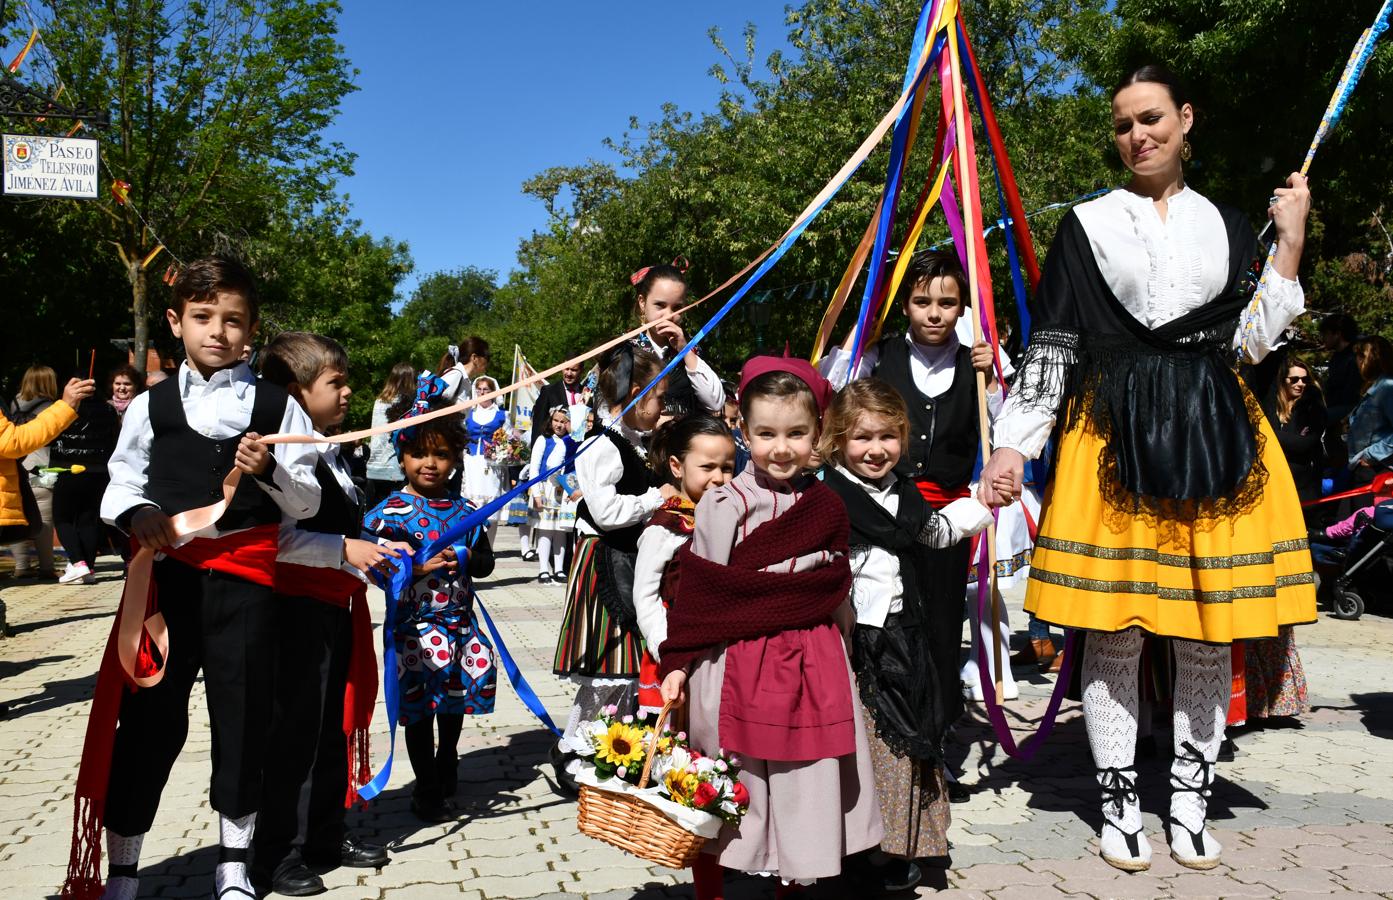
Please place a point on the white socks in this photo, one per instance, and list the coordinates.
(1110, 712)
(122, 852)
(1202, 683)
(230, 881)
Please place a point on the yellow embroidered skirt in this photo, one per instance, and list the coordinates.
(1214, 579)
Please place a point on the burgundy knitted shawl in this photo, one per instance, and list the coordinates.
(718, 605)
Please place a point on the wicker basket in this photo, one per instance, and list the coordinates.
(626, 822)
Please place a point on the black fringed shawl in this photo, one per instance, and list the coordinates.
(1181, 436)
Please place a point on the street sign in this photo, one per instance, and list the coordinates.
(39, 166)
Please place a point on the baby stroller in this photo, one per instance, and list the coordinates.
(1358, 568)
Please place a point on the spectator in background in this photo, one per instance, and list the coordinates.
(37, 392)
(77, 496)
(124, 383)
(1342, 381)
(1371, 423)
(1297, 413)
(461, 365)
(569, 392)
(384, 470)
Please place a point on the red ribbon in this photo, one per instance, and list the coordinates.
(680, 264)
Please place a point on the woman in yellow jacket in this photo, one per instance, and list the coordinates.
(17, 442)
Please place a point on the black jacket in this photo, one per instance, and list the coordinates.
(91, 439)
(553, 394)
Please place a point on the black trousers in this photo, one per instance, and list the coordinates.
(222, 626)
(313, 643)
(77, 501)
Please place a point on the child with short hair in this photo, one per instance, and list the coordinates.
(178, 443)
(692, 454)
(756, 637)
(599, 646)
(444, 662)
(898, 644)
(325, 666)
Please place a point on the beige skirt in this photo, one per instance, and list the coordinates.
(913, 801)
(804, 817)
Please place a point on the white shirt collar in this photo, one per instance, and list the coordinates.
(870, 487)
(934, 356)
(238, 376)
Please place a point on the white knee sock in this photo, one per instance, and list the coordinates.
(543, 552)
(232, 876)
(558, 551)
(1110, 700)
(525, 538)
(1202, 681)
(122, 851)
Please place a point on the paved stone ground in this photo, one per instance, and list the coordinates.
(1304, 809)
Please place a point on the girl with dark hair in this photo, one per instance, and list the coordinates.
(693, 386)
(692, 454)
(444, 676)
(483, 478)
(1170, 510)
(384, 472)
(599, 647)
(461, 365)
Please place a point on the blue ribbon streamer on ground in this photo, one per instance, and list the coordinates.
(525, 693)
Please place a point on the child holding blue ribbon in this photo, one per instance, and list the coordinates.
(444, 662)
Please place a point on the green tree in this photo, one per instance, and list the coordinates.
(218, 111)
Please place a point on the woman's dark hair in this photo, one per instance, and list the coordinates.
(472, 346)
(656, 274)
(675, 438)
(622, 369)
(401, 382)
(779, 386)
(928, 265)
(130, 372)
(1374, 354)
(1342, 324)
(1155, 73)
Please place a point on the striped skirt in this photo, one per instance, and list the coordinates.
(592, 643)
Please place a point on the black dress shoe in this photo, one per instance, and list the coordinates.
(351, 853)
(958, 792)
(293, 878)
(434, 810)
(565, 781)
(1227, 751)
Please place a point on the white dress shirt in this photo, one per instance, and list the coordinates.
(1159, 269)
(598, 470)
(877, 590)
(218, 408)
(706, 386)
(933, 368)
(315, 548)
(657, 546)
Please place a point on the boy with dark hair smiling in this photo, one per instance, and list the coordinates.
(326, 671)
(178, 443)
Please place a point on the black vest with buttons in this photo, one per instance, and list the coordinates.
(943, 431)
(187, 469)
(338, 512)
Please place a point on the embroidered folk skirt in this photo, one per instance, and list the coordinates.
(1213, 579)
(592, 643)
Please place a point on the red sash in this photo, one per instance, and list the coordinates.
(338, 588)
(250, 555)
(937, 495)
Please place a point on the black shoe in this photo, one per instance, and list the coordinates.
(529, 556)
(434, 810)
(544, 578)
(958, 792)
(559, 576)
(293, 878)
(1227, 751)
(565, 781)
(361, 855)
(896, 875)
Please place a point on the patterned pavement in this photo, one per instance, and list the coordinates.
(1302, 811)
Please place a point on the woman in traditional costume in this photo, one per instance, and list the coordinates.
(1170, 510)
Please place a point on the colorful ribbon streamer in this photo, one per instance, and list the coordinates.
(19, 60)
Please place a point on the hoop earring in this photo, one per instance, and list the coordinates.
(1186, 151)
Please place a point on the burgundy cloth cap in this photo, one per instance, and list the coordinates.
(799, 368)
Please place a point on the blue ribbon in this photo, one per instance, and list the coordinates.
(392, 585)
(524, 690)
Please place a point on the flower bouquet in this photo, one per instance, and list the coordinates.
(691, 794)
(506, 449)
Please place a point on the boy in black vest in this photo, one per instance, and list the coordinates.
(936, 376)
(326, 670)
(178, 443)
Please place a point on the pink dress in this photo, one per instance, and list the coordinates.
(804, 816)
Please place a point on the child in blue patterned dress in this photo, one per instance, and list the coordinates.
(444, 663)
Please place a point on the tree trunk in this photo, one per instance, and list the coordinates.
(140, 312)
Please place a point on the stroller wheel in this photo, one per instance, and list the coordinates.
(1346, 604)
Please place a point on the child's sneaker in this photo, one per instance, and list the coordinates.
(76, 572)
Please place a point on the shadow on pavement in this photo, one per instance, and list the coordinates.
(1377, 710)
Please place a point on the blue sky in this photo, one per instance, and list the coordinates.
(496, 92)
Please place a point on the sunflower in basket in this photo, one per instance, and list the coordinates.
(618, 750)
